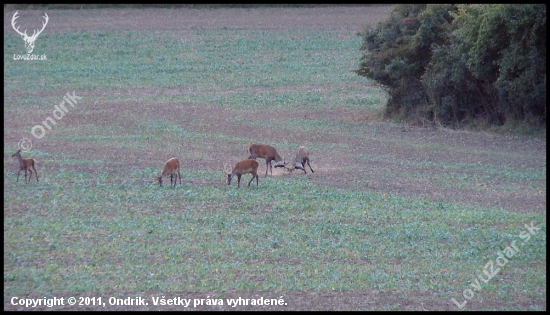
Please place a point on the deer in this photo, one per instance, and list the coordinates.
(172, 167)
(24, 165)
(302, 156)
(267, 152)
(29, 40)
(241, 168)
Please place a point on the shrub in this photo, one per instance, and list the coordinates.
(451, 63)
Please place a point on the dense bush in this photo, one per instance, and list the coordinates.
(455, 63)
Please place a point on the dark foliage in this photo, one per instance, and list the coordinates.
(454, 63)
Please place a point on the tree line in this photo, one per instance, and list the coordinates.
(452, 64)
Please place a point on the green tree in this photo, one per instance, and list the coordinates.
(450, 63)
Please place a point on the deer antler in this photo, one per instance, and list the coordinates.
(15, 17)
(34, 34)
(43, 26)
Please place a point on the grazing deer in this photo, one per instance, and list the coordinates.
(302, 156)
(241, 168)
(24, 165)
(267, 152)
(172, 167)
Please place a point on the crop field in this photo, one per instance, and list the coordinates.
(395, 216)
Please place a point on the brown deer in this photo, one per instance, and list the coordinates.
(241, 168)
(24, 165)
(172, 167)
(302, 156)
(266, 152)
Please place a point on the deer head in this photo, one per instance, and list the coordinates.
(228, 170)
(29, 40)
(248, 166)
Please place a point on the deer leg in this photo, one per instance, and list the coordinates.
(239, 181)
(256, 174)
(26, 176)
(309, 167)
(251, 180)
(36, 173)
(179, 174)
(30, 172)
(268, 165)
(18, 175)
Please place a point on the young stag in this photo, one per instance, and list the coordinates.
(241, 168)
(266, 152)
(172, 167)
(24, 165)
(302, 156)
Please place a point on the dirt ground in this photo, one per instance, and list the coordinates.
(431, 144)
(185, 19)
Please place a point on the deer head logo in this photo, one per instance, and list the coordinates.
(29, 40)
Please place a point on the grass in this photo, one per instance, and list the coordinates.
(197, 62)
(98, 224)
(132, 237)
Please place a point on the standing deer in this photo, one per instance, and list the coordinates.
(241, 168)
(302, 156)
(24, 165)
(172, 167)
(267, 152)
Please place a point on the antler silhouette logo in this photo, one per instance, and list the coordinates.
(29, 40)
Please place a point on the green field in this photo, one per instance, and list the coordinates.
(394, 217)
